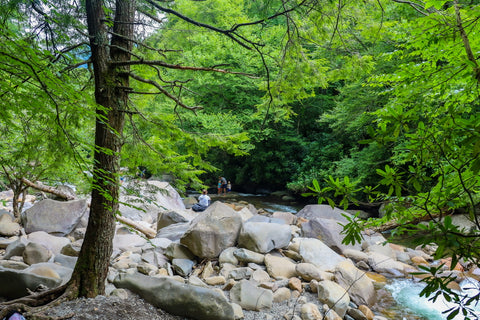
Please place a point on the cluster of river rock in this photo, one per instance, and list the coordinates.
(223, 263)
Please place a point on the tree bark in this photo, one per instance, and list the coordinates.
(92, 265)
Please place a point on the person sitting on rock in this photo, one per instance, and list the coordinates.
(203, 202)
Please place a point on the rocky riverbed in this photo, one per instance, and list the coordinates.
(232, 261)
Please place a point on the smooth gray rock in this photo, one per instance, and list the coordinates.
(227, 256)
(8, 227)
(173, 232)
(178, 251)
(329, 231)
(11, 264)
(54, 243)
(51, 270)
(166, 218)
(259, 218)
(240, 273)
(316, 252)
(245, 255)
(324, 211)
(16, 282)
(4, 242)
(183, 267)
(287, 217)
(125, 242)
(334, 296)
(15, 248)
(356, 282)
(66, 261)
(54, 217)
(250, 297)
(182, 299)
(72, 249)
(264, 237)
(213, 231)
(36, 253)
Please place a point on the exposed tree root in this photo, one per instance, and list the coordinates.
(33, 306)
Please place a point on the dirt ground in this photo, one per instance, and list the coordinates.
(109, 308)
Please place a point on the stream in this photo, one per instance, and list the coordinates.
(400, 298)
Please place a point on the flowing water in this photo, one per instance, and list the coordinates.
(406, 294)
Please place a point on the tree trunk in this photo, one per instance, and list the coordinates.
(92, 266)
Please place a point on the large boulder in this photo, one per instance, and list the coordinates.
(356, 282)
(151, 197)
(16, 283)
(329, 231)
(182, 299)
(322, 211)
(264, 237)
(316, 252)
(55, 217)
(213, 231)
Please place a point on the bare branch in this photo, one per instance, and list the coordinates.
(164, 91)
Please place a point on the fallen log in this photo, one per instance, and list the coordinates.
(148, 232)
(48, 189)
